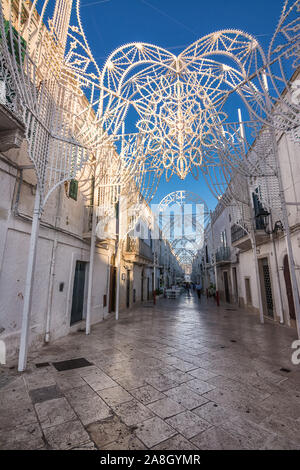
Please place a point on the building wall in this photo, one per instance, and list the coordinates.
(60, 248)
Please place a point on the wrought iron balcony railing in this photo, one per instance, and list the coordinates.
(223, 254)
(237, 232)
(8, 95)
(138, 247)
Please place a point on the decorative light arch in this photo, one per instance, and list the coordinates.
(190, 240)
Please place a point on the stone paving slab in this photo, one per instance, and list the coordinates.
(54, 412)
(188, 424)
(132, 412)
(147, 394)
(166, 407)
(154, 430)
(185, 396)
(39, 395)
(108, 431)
(66, 435)
(177, 442)
(179, 376)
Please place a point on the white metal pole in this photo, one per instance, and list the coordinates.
(261, 311)
(52, 269)
(214, 252)
(253, 243)
(118, 279)
(29, 282)
(50, 294)
(280, 306)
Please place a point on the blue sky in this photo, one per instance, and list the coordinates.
(174, 24)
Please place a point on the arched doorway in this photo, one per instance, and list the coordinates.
(288, 286)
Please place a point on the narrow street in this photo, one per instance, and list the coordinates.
(180, 375)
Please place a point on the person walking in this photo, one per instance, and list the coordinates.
(188, 287)
(198, 290)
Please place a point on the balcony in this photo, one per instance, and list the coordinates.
(223, 255)
(241, 239)
(11, 126)
(137, 251)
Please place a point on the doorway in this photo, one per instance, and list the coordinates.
(112, 290)
(127, 288)
(288, 286)
(152, 283)
(248, 291)
(148, 288)
(142, 286)
(266, 287)
(235, 284)
(226, 286)
(78, 292)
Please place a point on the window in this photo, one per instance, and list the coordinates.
(248, 291)
(73, 189)
(224, 239)
(206, 254)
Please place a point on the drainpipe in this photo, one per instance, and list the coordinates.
(118, 275)
(280, 306)
(154, 276)
(91, 266)
(119, 249)
(52, 268)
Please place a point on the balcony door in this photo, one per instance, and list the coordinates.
(235, 284)
(226, 286)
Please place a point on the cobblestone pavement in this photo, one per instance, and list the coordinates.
(183, 375)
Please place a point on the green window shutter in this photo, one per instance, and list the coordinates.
(73, 189)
